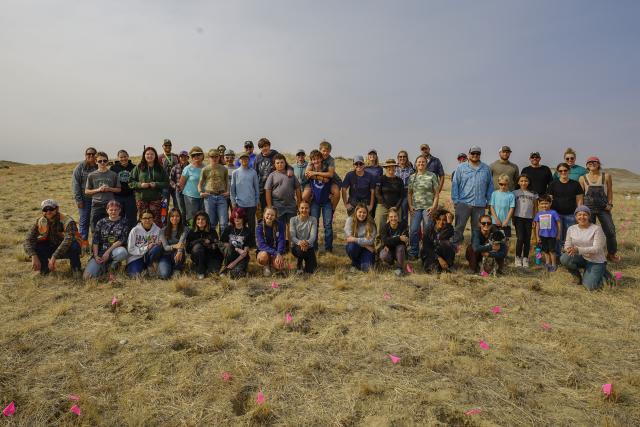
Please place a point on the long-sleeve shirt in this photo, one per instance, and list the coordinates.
(174, 239)
(61, 235)
(432, 239)
(269, 241)
(361, 232)
(303, 230)
(245, 187)
(480, 243)
(148, 175)
(391, 236)
(139, 240)
(79, 181)
(174, 176)
(590, 241)
(472, 186)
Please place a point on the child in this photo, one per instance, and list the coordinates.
(173, 240)
(143, 244)
(328, 171)
(503, 203)
(270, 242)
(237, 239)
(394, 236)
(548, 231)
(321, 201)
(299, 169)
(202, 244)
(360, 231)
(282, 191)
(304, 233)
(523, 220)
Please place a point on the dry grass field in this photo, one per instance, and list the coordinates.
(160, 358)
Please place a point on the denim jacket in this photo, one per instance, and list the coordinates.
(472, 186)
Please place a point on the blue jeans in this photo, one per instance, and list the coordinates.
(84, 220)
(566, 221)
(594, 273)
(192, 205)
(404, 205)
(93, 269)
(134, 268)
(419, 216)
(180, 199)
(167, 194)
(361, 257)
(44, 251)
(327, 221)
(608, 228)
(216, 208)
(168, 264)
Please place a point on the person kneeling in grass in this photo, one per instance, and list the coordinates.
(487, 247)
(360, 231)
(173, 238)
(438, 253)
(143, 245)
(303, 230)
(202, 243)
(270, 241)
(109, 238)
(52, 237)
(394, 238)
(237, 239)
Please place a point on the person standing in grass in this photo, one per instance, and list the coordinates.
(270, 242)
(110, 237)
(125, 197)
(245, 192)
(102, 184)
(148, 179)
(83, 200)
(299, 169)
(303, 230)
(173, 239)
(566, 195)
(575, 171)
(321, 199)
(502, 205)
(203, 245)
(229, 163)
(213, 187)
(168, 160)
(282, 192)
(438, 254)
(189, 180)
(360, 231)
(503, 166)
(394, 238)
(523, 214)
(584, 249)
(486, 242)
(358, 187)
(237, 239)
(174, 180)
(423, 198)
(403, 171)
(248, 150)
(53, 236)
(539, 175)
(547, 228)
(143, 245)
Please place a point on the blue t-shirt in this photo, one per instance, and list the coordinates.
(359, 186)
(547, 223)
(192, 174)
(321, 191)
(502, 201)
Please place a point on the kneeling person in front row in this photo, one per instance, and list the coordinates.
(394, 237)
(486, 247)
(110, 236)
(438, 253)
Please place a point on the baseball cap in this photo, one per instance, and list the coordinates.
(425, 146)
(505, 148)
(213, 153)
(358, 158)
(593, 159)
(534, 154)
(300, 151)
(229, 152)
(475, 149)
(184, 153)
(244, 154)
(373, 150)
(49, 203)
(248, 144)
(167, 142)
(462, 155)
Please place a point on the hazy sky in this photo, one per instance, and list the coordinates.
(537, 75)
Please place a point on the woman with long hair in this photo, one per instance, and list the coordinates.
(237, 239)
(143, 244)
(203, 245)
(148, 179)
(438, 254)
(394, 237)
(173, 238)
(360, 231)
(270, 239)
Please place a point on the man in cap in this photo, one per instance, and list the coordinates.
(462, 157)
(168, 160)
(83, 200)
(539, 175)
(503, 166)
(53, 236)
(434, 165)
(248, 148)
(300, 167)
(471, 190)
(245, 190)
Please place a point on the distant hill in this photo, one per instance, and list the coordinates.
(624, 180)
(4, 164)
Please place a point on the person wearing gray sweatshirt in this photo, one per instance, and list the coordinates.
(303, 232)
(245, 191)
(360, 232)
(78, 184)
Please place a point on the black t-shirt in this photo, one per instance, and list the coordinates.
(564, 196)
(238, 238)
(539, 178)
(359, 186)
(124, 173)
(390, 190)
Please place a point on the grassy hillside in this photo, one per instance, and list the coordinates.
(161, 357)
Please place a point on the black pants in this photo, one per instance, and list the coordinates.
(523, 233)
(445, 250)
(308, 257)
(240, 269)
(205, 259)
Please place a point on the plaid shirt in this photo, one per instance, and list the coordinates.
(175, 174)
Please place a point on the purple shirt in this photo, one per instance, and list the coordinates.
(547, 223)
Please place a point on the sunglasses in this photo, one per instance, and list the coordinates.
(102, 161)
(534, 157)
(146, 217)
(485, 223)
(402, 157)
(48, 209)
(359, 164)
(593, 163)
(475, 153)
(569, 158)
(502, 184)
(196, 155)
(90, 153)
(563, 170)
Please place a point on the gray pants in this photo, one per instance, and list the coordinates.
(463, 212)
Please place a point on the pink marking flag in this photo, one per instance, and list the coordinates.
(409, 268)
(288, 318)
(114, 300)
(474, 411)
(74, 397)
(617, 275)
(546, 326)
(394, 359)
(496, 309)
(9, 410)
(607, 389)
(226, 376)
(484, 273)
(274, 285)
(386, 296)
(260, 398)
(112, 277)
(76, 410)
(483, 345)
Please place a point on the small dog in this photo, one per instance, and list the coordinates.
(489, 264)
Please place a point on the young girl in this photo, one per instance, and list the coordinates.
(548, 231)
(394, 237)
(503, 202)
(173, 240)
(303, 230)
(360, 231)
(148, 179)
(143, 245)
(202, 244)
(320, 189)
(438, 254)
(237, 239)
(523, 215)
(270, 241)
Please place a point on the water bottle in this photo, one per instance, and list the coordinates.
(538, 255)
(163, 211)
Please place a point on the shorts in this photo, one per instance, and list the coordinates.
(506, 230)
(548, 244)
(336, 180)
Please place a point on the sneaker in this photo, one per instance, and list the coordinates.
(552, 268)
(200, 276)
(525, 262)
(299, 271)
(266, 272)
(518, 262)
(398, 272)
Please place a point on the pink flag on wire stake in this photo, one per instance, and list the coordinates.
(76, 410)
(114, 300)
(9, 410)
(483, 345)
(607, 389)
(617, 275)
(288, 318)
(274, 285)
(409, 268)
(386, 296)
(394, 359)
(226, 376)
(474, 411)
(545, 326)
(484, 273)
(260, 398)
(496, 309)
(74, 397)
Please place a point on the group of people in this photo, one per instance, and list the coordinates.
(393, 208)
